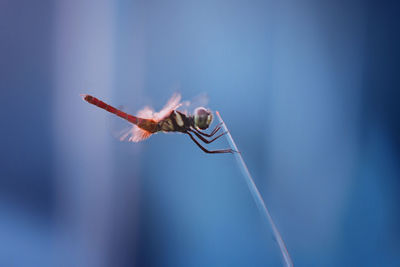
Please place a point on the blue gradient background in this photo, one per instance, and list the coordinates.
(309, 90)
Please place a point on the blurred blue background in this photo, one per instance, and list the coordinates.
(309, 90)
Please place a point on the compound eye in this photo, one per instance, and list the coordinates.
(202, 118)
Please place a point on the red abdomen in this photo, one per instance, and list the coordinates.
(146, 124)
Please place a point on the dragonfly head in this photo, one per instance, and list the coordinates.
(202, 118)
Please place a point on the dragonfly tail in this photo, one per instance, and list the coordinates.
(97, 102)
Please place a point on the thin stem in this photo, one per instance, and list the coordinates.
(257, 196)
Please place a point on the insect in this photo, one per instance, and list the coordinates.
(169, 119)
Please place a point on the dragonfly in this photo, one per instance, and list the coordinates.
(148, 122)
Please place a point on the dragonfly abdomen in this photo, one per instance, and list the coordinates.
(146, 124)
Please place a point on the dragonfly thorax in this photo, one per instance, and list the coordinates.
(202, 118)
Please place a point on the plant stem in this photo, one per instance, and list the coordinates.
(257, 196)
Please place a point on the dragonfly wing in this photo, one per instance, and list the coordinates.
(200, 100)
(172, 104)
(146, 113)
(136, 134)
(133, 134)
(139, 135)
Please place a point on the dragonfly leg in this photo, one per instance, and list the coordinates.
(216, 129)
(204, 139)
(210, 151)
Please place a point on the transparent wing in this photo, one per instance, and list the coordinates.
(200, 100)
(173, 103)
(136, 134)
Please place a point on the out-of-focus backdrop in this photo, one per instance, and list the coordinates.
(309, 90)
